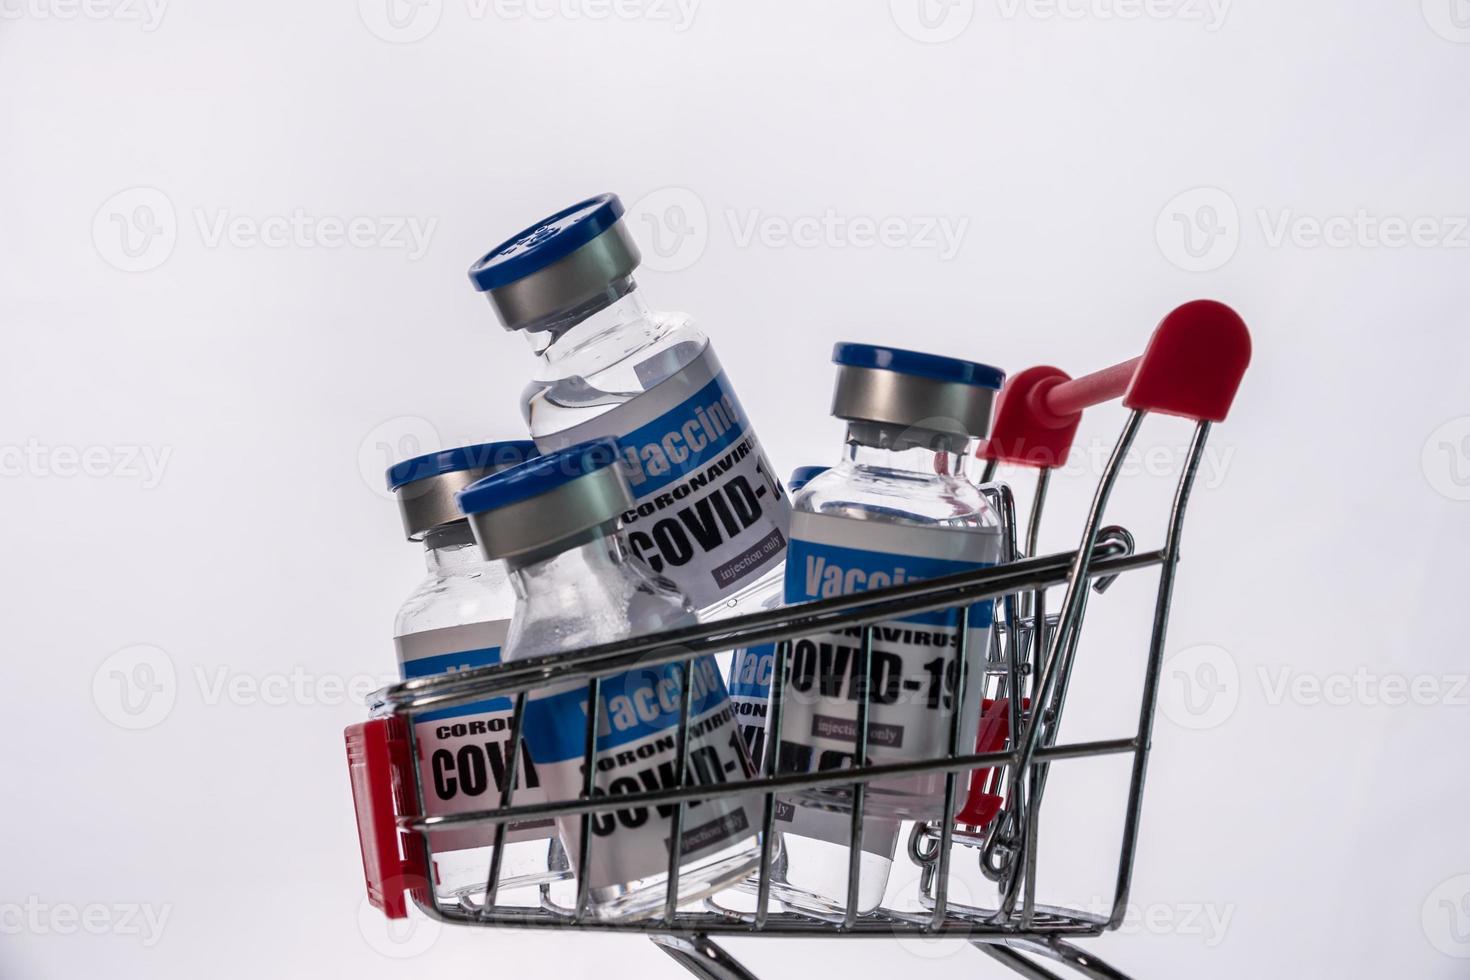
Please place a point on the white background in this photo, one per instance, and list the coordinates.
(1096, 163)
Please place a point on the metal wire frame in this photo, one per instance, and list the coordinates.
(1007, 849)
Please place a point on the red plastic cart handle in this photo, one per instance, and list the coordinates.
(379, 762)
(1191, 368)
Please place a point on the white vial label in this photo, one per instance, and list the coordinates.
(463, 751)
(708, 513)
(751, 671)
(914, 664)
(637, 744)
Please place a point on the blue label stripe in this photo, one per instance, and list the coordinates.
(445, 663)
(857, 568)
(741, 688)
(693, 433)
(636, 704)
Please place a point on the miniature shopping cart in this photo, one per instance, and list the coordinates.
(1192, 368)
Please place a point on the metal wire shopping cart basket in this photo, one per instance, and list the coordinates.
(1192, 367)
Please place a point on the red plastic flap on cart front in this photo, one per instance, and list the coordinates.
(380, 765)
(1023, 431)
(995, 729)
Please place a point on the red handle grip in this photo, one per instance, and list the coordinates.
(380, 766)
(1192, 368)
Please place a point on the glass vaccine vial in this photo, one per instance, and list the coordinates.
(896, 507)
(457, 618)
(553, 522)
(810, 872)
(708, 512)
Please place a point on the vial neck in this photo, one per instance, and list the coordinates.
(943, 458)
(571, 575)
(568, 335)
(450, 549)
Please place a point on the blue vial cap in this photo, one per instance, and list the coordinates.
(918, 364)
(802, 475)
(545, 242)
(538, 476)
(486, 455)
